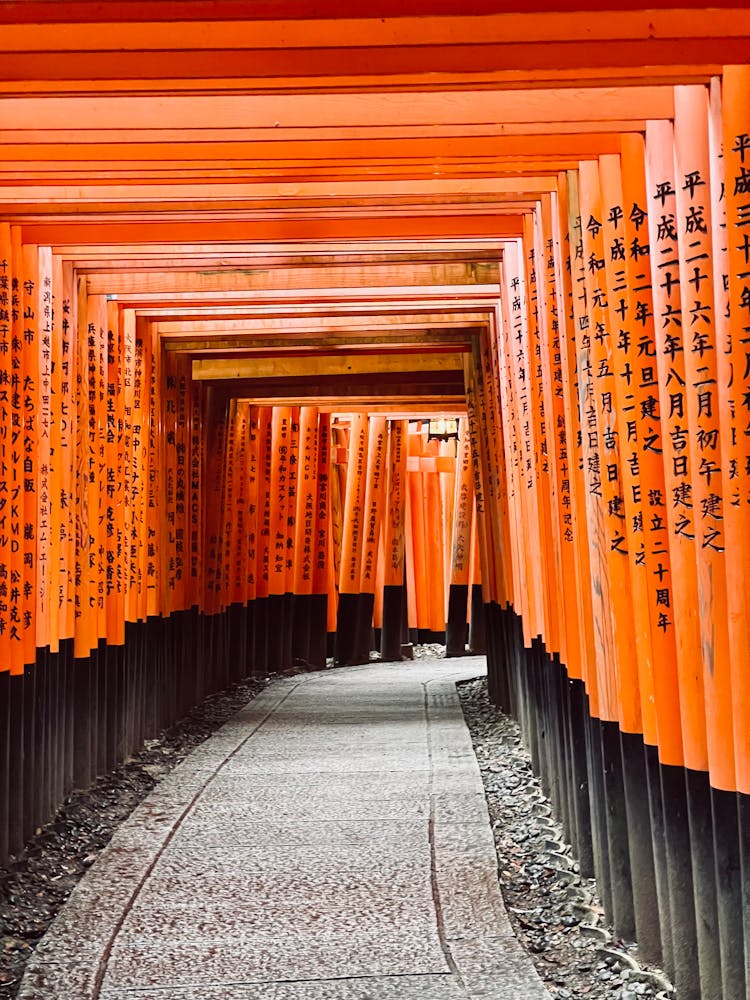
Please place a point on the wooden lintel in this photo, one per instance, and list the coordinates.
(239, 346)
(322, 366)
(435, 325)
(110, 232)
(263, 279)
(448, 406)
(183, 302)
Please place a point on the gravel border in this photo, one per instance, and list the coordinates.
(556, 914)
(35, 884)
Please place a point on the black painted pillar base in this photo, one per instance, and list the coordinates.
(583, 845)
(728, 872)
(345, 649)
(394, 598)
(363, 636)
(617, 833)
(29, 727)
(561, 685)
(67, 651)
(498, 661)
(555, 755)
(237, 647)
(100, 735)
(4, 762)
(643, 879)
(260, 637)
(456, 629)
(597, 801)
(82, 772)
(112, 701)
(701, 834)
(743, 809)
(275, 633)
(152, 713)
(428, 635)
(659, 842)
(287, 630)
(680, 877)
(121, 745)
(537, 661)
(249, 626)
(318, 637)
(529, 705)
(301, 615)
(477, 626)
(17, 765)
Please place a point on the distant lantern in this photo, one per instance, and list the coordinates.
(443, 429)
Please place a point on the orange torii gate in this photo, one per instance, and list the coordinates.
(328, 229)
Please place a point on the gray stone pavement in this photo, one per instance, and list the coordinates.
(330, 842)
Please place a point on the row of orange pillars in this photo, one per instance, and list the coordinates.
(290, 538)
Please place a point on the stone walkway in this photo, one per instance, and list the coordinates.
(331, 842)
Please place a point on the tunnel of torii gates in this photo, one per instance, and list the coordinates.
(255, 261)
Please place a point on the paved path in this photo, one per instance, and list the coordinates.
(331, 842)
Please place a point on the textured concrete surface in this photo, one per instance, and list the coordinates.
(331, 842)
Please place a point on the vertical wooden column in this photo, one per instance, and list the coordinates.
(530, 600)
(433, 543)
(682, 592)
(600, 184)
(196, 562)
(373, 511)
(579, 669)
(536, 415)
(304, 537)
(279, 505)
(321, 607)
(114, 554)
(550, 362)
(693, 226)
(600, 691)
(252, 528)
(394, 596)
(352, 543)
(416, 555)
(458, 593)
(618, 674)
(238, 623)
(638, 434)
(541, 315)
(477, 631)
(51, 779)
(446, 466)
(484, 553)
(263, 539)
(23, 396)
(734, 395)
(573, 376)
(340, 435)
(492, 440)
(289, 531)
(81, 494)
(721, 954)
(11, 690)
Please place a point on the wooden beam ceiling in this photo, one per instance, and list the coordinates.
(283, 194)
(283, 47)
